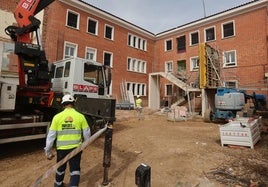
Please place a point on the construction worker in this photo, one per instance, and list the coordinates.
(67, 128)
(139, 106)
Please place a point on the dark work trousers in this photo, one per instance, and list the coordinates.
(74, 164)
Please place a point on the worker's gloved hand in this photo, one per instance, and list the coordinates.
(49, 154)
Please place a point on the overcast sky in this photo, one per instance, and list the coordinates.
(159, 15)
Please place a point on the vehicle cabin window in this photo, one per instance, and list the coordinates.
(59, 72)
(228, 29)
(67, 69)
(93, 74)
(181, 44)
(72, 19)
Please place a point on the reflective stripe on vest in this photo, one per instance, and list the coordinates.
(68, 139)
(71, 131)
(68, 142)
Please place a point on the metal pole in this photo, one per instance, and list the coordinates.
(107, 153)
(204, 8)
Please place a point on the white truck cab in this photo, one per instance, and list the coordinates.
(80, 77)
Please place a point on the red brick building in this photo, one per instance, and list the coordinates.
(75, 28)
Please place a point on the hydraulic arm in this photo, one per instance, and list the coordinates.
(34, 75)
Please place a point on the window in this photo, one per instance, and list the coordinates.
(229, 59)
(168, 45)
(136, 65)
(194, 63)
(70, 50)
(181, 44)
(194, 38)
(210, 34)
(169, 66)
(108, 59)
(227, 29)
(109, 32)
(231, 84)
(59, 72)
(91, 53)
(143, 68)
(136, 88)
(168, 91)
(129, 40)
(137, 42)
(93, 74)
(72, 19)
(144, 45)
(67, 69)
(92, 26)
(181, 66)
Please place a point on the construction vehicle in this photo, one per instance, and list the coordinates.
(229, 101)
(29, 100)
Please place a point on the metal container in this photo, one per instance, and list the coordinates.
(242, 132)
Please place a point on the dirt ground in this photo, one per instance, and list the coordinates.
(180, 154)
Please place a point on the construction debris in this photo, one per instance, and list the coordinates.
(177, 113)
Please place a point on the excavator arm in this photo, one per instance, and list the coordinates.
(34, 75)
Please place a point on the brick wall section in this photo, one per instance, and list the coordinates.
(250, 43)
(9, 5)
(57, 33)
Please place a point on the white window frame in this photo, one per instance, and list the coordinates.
(139, 88)
(97, 26)
(166, 85)
(229, 64)
(194, 63)
(190, 36)
(230, 81)
(111, 57)
(222, 29)
(205, 33)
(136, 42)
(70, 45)
(78, 19)
(168, 66)
(112, 34)
(91, 51)
(144, 67)
(136, 65)
(167, 40)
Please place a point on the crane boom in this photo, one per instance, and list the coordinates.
(34, 74)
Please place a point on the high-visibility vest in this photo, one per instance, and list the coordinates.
(68, 125)
(138, 102)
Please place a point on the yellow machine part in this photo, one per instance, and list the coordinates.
(202, 65)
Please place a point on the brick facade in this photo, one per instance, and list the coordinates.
(250, 43)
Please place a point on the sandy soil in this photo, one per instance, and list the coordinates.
(183, 153)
